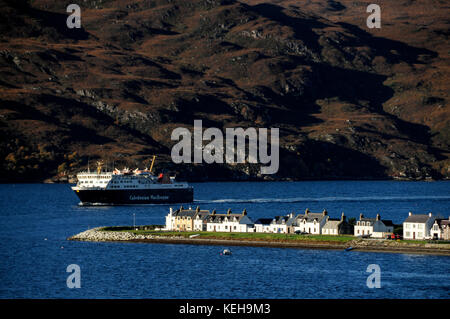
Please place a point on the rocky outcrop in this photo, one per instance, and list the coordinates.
(98, 234)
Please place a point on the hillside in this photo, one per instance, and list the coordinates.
(350, 102)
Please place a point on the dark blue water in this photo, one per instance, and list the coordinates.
(37, 219)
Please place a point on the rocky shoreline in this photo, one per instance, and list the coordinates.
(99, 235)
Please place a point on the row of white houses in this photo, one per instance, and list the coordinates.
(414, 227)
(309, 222)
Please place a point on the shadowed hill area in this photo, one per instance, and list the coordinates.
(350, 102)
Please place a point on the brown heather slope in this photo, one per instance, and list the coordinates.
(350, 102)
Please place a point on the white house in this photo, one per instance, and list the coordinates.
(200, 219)
(170, 220)
(229, 222)
(437, 229)
(262, 225)
(418, 226)
(186, 219)
(310, 223)
(374, 227)
(282, 224)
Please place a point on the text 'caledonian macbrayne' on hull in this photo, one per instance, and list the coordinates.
(130, 187)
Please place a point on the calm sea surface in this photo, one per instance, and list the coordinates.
(36, 220)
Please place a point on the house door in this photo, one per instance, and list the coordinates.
(414, 235)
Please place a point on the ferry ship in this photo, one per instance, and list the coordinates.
(123, 187)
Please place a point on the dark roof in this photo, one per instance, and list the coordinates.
(445, 222)
(442, 222)
(183, 213)
(220, 218)
(332, 223)
(310, 217)
(374, 220)
(280, 220)
(202, 215)
(388, 223)
(291, 220)
(189, 212)
(264, 221)
(417, 219)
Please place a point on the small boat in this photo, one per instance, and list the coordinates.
(226, 252)
(349, 248)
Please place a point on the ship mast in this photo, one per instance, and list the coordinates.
(153, 162)
(99, 167)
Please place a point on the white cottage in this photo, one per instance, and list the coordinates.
(239, 223)
(311, 223)
(170, 220)
(418, 226)
(262, 225)
(374, 227)
(200, 219)
(282, 224)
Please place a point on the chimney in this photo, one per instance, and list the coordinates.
(244, 212)
(409, 214)
(229, 211)
(378, 217)
(213, 212)
(197, 209)
(170, 210)
(181, 208)
(361, 216)
(306, 211)
(324, 213)
(430, 214)
(342, 217)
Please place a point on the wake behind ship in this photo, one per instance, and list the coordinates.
(123, 187)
